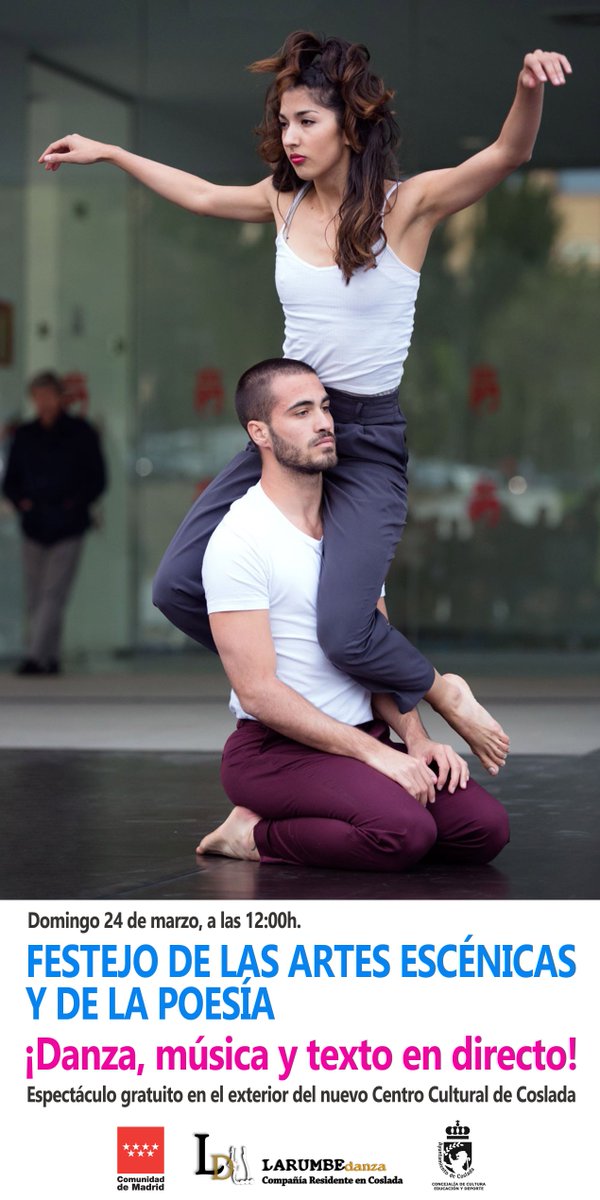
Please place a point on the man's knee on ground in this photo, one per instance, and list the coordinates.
(399, 846)
(493, 833)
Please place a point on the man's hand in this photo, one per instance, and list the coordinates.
(453, 771)
(544, 66)
(410, 772)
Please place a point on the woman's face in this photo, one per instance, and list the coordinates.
(310, 135)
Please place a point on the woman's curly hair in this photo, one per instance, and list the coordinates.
(338, 74)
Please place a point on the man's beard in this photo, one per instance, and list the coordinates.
(288, 455)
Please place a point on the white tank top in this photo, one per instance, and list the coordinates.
(355, 336)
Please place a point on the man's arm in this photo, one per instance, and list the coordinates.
(452, 770)
(245, 646)
(12, 484)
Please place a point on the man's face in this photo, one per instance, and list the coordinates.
(48, 404)
(300, 429)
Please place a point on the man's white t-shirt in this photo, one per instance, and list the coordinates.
(256, 559)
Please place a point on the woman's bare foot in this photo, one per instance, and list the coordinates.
(234, 838)
(452, 697)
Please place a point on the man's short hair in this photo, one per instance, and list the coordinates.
(254, 398)
(47, 379)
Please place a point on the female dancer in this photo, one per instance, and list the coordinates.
(350, 245)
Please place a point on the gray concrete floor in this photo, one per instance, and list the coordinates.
(110, 778)
(181, 705)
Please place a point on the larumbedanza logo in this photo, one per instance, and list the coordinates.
(233, 1166)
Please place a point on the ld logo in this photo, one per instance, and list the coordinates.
(223, 1166)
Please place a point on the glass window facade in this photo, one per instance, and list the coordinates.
(160, 312)
(71, 294)
(207, 310)
(503, 541)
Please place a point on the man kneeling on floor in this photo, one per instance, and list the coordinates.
(311, 770)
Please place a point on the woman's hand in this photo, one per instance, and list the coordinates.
(255, 203)
(544, 66)
(73, 149)
(428, 198)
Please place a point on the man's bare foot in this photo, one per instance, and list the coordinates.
(234, 838)
(452, 697)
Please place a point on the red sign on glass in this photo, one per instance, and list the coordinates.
(202, 485)
(484, 504)
(484, 387)
(76, 389)
(209, 393)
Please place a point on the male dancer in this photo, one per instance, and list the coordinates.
(311, 769)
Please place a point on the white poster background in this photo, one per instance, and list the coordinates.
(527, 1147)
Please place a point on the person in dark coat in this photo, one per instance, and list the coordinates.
(55, 471)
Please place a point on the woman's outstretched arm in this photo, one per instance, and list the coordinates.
(253, 203)
(433, 195)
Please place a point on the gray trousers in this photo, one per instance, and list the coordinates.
(364, 512)
(49, 573)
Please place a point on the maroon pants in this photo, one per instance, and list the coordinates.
(323, 810)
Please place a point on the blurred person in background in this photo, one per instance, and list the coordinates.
(55, 471)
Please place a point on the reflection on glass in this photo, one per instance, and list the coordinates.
(503, 542)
